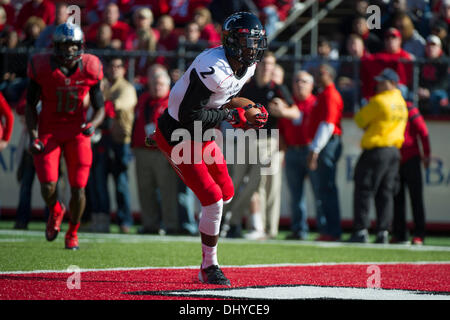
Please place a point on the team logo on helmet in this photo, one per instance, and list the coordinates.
(244, 38)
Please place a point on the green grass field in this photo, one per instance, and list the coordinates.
(28, 250)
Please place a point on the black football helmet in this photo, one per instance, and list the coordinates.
(68, 33)
(244, 38)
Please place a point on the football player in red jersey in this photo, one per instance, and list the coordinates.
(63, 80)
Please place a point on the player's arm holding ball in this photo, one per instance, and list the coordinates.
(245, 114)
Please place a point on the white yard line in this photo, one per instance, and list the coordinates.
(102, 237)
(234, 266)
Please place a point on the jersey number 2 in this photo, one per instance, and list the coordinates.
(67, 101)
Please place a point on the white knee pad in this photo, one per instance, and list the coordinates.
(210, 219)
(228, 201)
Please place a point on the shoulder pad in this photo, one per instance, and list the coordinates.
(92, 66)
(212, 68)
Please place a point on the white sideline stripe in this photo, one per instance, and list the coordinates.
(236, 266)
(100, 237)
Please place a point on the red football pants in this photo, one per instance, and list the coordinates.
(77, 152)
(207, 177)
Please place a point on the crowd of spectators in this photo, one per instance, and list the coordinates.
(412, 32)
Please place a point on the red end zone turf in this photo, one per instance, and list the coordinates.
(156, 283)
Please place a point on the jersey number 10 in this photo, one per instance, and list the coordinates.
(67, 101)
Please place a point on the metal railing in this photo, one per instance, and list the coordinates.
(290, 62)
(292, 18)
(311, 25)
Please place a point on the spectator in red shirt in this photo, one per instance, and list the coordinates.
(295, 136)
(326, 148)
(43, 9)
(6, 122)
(208, 31)
(411, 177)
(120, 29)
(152, 169)
(168, 39)
(393, 57)
(182, 11)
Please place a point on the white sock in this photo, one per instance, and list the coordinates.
(209, 255)
(210, 220)
(256, 221)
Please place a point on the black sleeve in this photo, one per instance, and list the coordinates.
(96, 96)
(33, 93)
(192, 107)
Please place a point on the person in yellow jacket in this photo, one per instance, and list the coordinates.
(383, 120)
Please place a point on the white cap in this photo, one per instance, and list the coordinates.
(434, 39)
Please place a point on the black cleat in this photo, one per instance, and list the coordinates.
(213, 275)
(361, 236)
(382, 237)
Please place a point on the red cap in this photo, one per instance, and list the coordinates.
(393, 32)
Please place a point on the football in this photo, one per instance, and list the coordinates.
(240, 102)
(251, 113)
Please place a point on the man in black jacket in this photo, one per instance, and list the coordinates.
(433, 78)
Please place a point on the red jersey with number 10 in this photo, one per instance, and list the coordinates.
(64, 103)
